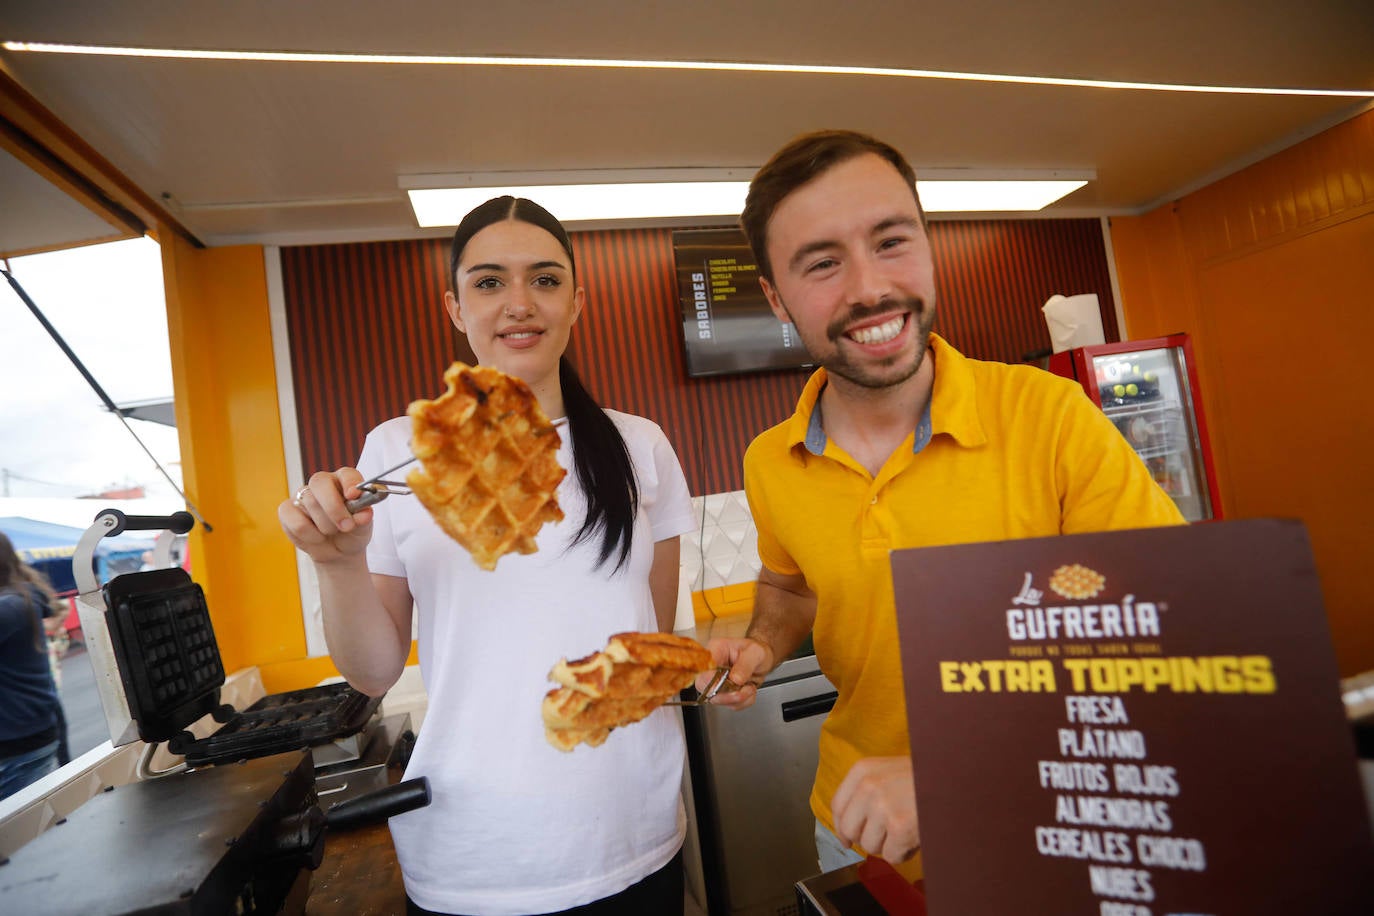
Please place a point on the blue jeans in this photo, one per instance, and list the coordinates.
(22, 769)
(830, 852)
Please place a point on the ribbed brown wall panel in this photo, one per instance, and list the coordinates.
(992, 277)
(369, 332)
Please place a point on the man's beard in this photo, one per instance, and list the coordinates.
(889, 372)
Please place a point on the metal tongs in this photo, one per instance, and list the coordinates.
(720, 683)
(378, 488)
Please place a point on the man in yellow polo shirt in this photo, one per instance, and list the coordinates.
(898, 441)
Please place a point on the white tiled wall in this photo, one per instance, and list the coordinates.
(724, 548)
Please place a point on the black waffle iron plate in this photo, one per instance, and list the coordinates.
(169, 662)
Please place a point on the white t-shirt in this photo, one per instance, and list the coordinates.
(516, 826)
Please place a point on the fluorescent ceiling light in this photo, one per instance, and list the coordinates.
(668, 198)
(580, 202)
(984, 196)
(582, 62)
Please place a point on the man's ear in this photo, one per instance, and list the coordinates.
(770, 293)
(454, 314)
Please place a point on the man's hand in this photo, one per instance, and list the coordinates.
(784, 611)
(748, 660)
(875, 807)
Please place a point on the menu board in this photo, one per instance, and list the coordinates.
(727, 324)
(1133, 723)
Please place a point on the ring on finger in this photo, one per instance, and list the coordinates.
(300, 495)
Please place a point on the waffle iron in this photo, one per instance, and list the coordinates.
(164, 671)
(227, 840)
(238, 829)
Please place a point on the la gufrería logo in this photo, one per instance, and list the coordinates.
(1093, 642)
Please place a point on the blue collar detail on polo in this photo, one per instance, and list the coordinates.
(816, 440)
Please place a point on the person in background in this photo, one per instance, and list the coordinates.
(898, 441)
(59, 641)
(515, 826)
(30, 710)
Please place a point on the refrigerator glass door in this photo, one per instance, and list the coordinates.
(1147, 395)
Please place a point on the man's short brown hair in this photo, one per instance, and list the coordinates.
(797, 163)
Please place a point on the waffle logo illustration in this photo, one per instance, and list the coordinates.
(1077, 582)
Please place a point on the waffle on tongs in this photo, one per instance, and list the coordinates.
(489, 470)
(634, 675)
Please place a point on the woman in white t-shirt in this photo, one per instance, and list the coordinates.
(515, 826)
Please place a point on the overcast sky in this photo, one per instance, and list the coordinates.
(58, 440)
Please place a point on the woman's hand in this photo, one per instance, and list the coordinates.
(318, 523)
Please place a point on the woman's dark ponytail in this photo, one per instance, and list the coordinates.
(604, 469)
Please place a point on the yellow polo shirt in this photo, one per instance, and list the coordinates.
(1003, 452)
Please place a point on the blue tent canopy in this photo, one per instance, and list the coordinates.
(48, 548)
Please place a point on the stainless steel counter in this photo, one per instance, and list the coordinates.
(752, 772)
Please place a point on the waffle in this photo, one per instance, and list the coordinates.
(489, 471)
(623, 683)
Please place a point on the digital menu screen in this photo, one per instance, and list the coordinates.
(727, 325)
(1133, 723)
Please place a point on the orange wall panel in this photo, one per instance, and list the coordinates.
(1301, 188)
(1153, 271)
(1289, 330)
(1272, 272)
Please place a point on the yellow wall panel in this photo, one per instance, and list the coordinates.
(295, 674)
(231, 448)
(724, 601)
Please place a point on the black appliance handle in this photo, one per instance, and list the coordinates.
(818, 705)
(379, 805)
(177, 522)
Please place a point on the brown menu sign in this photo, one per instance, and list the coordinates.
(1134, 723)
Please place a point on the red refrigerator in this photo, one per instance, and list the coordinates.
(1149, 390)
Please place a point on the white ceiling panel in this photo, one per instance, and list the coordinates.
(271, 151)
(39, 216)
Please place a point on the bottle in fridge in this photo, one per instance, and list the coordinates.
(1149, 389)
